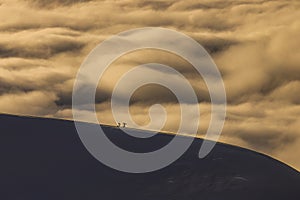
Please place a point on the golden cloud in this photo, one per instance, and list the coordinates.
(254, 43)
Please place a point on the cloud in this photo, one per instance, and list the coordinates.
(287, 93)
(54, 3)
(254, 43)
(267, 126)
(31, 103)
(39, 44)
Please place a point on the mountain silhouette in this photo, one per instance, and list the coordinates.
(44, 159)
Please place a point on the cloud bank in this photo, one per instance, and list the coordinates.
(254, 43)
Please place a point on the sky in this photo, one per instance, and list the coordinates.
(255, 44)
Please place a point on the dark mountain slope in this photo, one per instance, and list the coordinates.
(44, 159)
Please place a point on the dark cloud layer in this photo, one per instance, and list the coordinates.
(54, 3)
